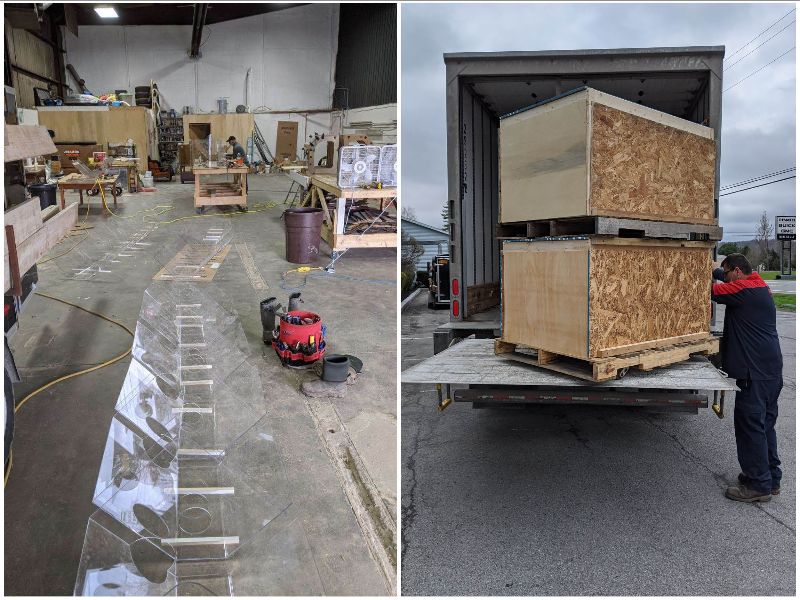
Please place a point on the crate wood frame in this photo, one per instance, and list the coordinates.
(589, 153)
(594, 297)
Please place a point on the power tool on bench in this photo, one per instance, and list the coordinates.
(299, 337)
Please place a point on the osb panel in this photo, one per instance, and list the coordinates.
(545, 286)
(643, 169)
(644, 293)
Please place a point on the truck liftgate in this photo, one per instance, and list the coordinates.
(469, 371)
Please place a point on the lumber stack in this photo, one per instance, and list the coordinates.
(593, 305)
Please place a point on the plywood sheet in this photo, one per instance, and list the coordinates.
(26, 141)
(238, 125)
(110, 125)
(189, 255)
(544, 300)
(543, 162)
(644, 293)
(647, 170)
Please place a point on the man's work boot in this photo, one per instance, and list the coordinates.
(740, 493)
(743, 479)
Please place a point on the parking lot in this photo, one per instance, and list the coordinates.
(578, 500)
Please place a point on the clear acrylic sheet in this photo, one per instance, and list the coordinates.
(117, 562)
(191, 509)
(151, 404)
(191, 248)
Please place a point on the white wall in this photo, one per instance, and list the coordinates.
(291, 54)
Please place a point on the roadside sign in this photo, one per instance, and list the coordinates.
(784, 228)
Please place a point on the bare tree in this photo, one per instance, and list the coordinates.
(408, 213)
(764, 232)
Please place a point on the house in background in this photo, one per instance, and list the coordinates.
(433, 240)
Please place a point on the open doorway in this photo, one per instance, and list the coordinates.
(199, 131)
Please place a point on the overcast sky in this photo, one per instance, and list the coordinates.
(758, 115)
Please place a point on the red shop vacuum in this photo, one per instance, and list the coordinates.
(299, 338)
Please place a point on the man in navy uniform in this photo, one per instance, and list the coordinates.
(751, 354)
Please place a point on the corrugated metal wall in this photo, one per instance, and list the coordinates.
(366, 63)
(31, 54)
(480, 251)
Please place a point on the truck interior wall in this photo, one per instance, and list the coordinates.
(479, 202)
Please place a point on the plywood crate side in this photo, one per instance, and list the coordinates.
(647, 295)
(544, 297)
(592, 154)
(595, 298)
(643, 169)
(543, 162)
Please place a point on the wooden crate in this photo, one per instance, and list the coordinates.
(593, 298)
(590, 153)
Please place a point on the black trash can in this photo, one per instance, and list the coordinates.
(303, 230)
(46, 193)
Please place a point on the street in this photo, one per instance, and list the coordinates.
(783, 286)
(579, 500)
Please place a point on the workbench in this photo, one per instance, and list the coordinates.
(334, 224)
(76, 181)
(226, 193)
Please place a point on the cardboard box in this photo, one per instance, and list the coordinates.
(589, 153)
(286, 142)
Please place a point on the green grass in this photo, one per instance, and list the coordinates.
(767, 275)
(784, 301)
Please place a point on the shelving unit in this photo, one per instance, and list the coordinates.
(170, 136)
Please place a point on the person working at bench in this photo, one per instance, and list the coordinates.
(236, 149)
(238, 152)
(751, 354)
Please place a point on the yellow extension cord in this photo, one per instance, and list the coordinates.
(22, 402)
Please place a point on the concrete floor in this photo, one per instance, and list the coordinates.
(318, 546)
(581, 500)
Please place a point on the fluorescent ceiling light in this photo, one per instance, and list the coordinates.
(106, 12)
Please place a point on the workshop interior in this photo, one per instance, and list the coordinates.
(201, 232)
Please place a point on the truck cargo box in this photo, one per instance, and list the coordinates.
(590, 153)
(484, 86)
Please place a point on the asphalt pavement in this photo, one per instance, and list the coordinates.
(783, 286)
(578, 500)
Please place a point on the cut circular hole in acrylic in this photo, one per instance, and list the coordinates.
(151, 562)
(195, 520)
(151, 520)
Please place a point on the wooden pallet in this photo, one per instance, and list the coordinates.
(618, 227)
(613, 367)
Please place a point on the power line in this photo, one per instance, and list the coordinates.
(759, 69)
(759, 46)
(754, 179)
(757, 186)
(762, 33)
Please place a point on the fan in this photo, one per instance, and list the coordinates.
(387, 171)
(358, 165)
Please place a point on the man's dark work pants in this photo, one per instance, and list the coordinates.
(754, 419)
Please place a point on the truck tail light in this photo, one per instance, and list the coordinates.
(455, 287)
(455, 308)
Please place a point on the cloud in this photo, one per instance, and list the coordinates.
(758, 116)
